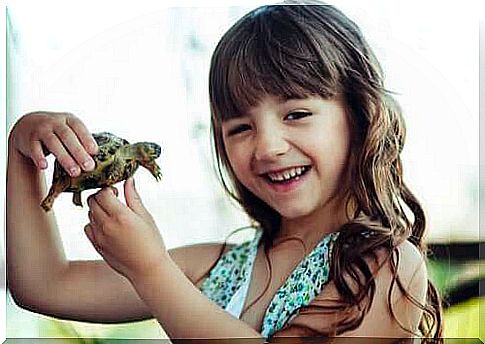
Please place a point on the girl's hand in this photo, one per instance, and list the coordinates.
(62, 134)
(126, 236)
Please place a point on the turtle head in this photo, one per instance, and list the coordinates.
(144, 154)
(147, 151)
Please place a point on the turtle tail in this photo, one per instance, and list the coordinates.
(47, 202)
(59, 186)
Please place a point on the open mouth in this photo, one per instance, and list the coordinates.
(287, 176)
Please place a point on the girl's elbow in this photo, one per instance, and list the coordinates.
(23, 300)
(29, 301)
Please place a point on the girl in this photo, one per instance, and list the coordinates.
(308, 141)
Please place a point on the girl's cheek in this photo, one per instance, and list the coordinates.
(236, 154)
(238, 169)
(239, 155)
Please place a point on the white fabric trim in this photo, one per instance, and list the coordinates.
(236, 304)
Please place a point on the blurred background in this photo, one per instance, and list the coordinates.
(140, 70)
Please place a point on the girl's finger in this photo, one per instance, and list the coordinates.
(91, 217)
(88, 229)
(93, 235)
(107, 199)
(55, 146)
(98, 214)
(74, 147)
(83, 134)
(133, 199)
(37, 154)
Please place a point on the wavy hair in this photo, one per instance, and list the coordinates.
(314, 49)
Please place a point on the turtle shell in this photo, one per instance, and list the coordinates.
(108, 145)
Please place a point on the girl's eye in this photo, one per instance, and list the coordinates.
(297, 115)
(238, 129)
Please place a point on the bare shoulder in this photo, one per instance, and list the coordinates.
(412, 270)
(412, 273)
(195, 260)
(384, 318)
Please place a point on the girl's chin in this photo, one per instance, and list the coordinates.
(294, 214)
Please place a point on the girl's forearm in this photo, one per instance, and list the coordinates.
(183, 311)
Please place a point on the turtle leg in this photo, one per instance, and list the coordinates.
(154, 169)
(76, 198)
(114, 172)
(55, 190)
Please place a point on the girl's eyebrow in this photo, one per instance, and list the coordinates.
(295, 98)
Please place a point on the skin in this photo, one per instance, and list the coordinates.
(127, 285)
(278, 134)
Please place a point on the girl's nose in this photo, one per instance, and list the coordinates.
(270, 144)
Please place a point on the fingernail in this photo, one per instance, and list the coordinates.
(73, 171)
(43, 164)
(88, 164)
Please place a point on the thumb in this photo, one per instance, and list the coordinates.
(133, 200)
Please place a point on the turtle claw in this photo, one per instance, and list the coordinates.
(155, 171)
(76, 199)
(158, 176)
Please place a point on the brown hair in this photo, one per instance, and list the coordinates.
(301, 50)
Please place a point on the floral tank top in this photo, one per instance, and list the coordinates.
(230, 277)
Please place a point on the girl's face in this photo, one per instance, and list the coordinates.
(290, 153)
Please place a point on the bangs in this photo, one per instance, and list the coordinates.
(268, 55)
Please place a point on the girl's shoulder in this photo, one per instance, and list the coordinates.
(378, 322)
(411, 269)
(413, 275)
(195, 260)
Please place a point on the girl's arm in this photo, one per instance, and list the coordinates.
(127, 238)
(39, 276)
(183, 311)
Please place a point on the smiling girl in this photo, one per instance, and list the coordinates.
(308, 141)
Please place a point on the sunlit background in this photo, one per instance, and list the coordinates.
(140, 70)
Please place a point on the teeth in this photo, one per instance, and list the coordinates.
(286, 175)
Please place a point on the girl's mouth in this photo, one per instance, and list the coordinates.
(287, 176)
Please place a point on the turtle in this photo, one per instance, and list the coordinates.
(115, 161)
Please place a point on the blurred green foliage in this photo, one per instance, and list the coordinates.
(465, 319)
(440, 273)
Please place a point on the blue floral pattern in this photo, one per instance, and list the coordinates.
(231, 272)
(304, 284)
